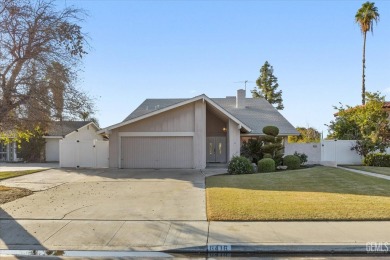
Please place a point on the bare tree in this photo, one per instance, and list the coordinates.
(40, 49)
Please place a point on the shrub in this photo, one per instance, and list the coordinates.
(292, 162)
(271, 130)
(239, 165)
(302, 157)
(252, 149)
(266, 165)
(267, 155)
(377, 159)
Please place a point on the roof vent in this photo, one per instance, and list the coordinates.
(240, 99)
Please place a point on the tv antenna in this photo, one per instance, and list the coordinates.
(244, 81)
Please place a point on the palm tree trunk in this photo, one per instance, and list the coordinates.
(364, 67)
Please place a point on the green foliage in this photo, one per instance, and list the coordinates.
(267, 155)
(369, 124)
(266, 165)
(252, 149)
(271, 130)
(32, 148)
(302, 157)
(292, 162)
(377, 159)
(267, 146)
(267, 85)
(239, 165)
(30, 143)
(306, 135)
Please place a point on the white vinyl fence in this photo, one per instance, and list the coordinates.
(312, 150)
(88, 153)
(328, 152)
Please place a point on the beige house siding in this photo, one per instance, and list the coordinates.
(233, 139)
(200, 135)
(181, 119)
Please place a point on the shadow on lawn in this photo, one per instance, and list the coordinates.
(316, 179)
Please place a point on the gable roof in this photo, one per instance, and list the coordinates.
(257, 113)
(143, 111)
(57, 128)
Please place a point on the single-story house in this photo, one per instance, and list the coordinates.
(68, 131)
(189, 133)
(65, 130)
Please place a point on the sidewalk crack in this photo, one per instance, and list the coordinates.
(76, 210)
(116, 232)
(57, 231)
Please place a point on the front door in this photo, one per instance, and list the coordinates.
(216, 149)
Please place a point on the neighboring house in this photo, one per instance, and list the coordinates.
(68, 131)
(9, 152)
(189, 133)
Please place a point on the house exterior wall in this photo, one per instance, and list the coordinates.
(233, 139)
(52, 149)
(200, 135)
(181, 119)
(214, 125)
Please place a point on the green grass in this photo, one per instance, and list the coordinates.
(373, 169)
(318, 193)
(12, 174)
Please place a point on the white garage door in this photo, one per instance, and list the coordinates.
(157, 152)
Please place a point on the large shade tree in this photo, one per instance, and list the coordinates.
(41, 47)
(365, 17)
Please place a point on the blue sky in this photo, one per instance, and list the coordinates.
(180, 49)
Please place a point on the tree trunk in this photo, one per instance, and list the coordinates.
(364, 67)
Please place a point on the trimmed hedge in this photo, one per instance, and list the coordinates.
(271, 130)
(240, 165)
(266, 165)
(267, 155)
(377, 159)
(292, 162)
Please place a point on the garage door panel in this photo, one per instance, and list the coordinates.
(157, 152)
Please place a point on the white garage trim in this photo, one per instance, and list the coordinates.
(162, 134)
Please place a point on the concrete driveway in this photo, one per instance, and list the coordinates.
(109, 194)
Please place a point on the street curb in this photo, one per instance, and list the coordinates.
(282, 249)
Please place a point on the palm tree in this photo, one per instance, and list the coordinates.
(365, 17)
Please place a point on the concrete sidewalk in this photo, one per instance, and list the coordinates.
(196, 236)
(377, 175)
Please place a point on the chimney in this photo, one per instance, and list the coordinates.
(240, 99)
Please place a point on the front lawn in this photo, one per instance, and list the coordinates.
(373, 169)
(318, 193)
(12, 174)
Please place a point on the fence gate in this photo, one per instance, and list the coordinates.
(339, 152)
(88, 153)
